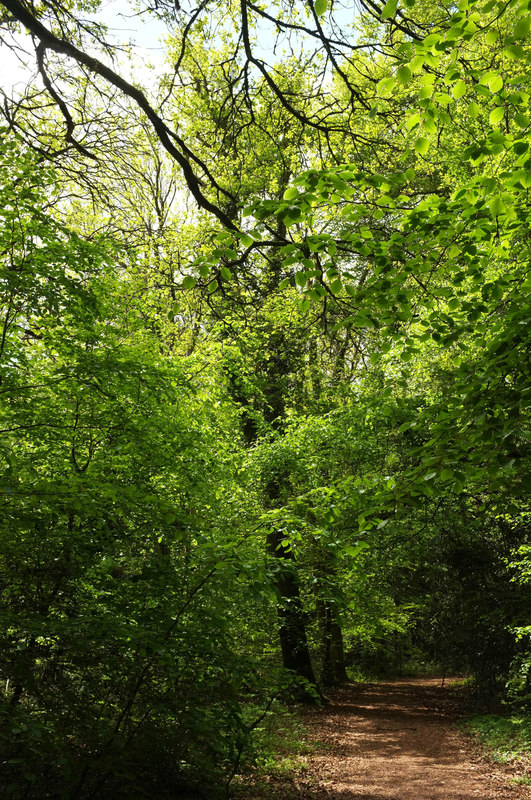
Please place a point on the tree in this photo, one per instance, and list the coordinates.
(126, 554)
(351, 348)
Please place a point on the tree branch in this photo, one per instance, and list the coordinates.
(167, 137)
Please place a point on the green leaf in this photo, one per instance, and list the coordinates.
(290, 193)
(413, 121)
(403, 74)
(496, 206)
(389, 9)
(432, 39)
(226, 273)
(422, 145)
(336, 286)
(320, 7)
(291, 215)
(473, 110)
(495, 83)
(385, 87)
(349, 550)
(458, 90)
(513, 51)
(189, 282)
(212, 286)
(492, 36)
(523, 178)
(496, 115)
(522, 27)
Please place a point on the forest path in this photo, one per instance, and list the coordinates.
(395, 741)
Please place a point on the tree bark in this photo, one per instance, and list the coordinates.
(333, 672)
(292, 623)
(291, 616)
(290, 612)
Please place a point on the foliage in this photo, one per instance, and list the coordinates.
(301, 406)
(519, 683)
(507, 738)
(125, 568)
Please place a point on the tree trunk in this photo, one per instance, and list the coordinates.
(333, 671)
(291, 617)
(280, 359)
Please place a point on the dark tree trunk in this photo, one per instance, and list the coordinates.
(275, 367)
(333, 671)
(291, 617)
(292, 623)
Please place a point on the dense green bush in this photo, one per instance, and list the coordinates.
(128, 573)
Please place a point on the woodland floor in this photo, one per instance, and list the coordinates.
(396, 740)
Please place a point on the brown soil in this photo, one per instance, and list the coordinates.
(392, 741)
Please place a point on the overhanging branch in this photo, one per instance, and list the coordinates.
(172, 143)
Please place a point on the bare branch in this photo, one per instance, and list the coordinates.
(175, 146)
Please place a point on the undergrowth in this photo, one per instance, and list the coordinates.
(281, 761)
(506, 738)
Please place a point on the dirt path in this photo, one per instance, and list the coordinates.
(395, 741)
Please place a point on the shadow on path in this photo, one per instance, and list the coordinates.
(392, 741)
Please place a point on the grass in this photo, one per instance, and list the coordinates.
(507, 738)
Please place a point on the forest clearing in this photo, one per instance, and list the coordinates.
(265, 357)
